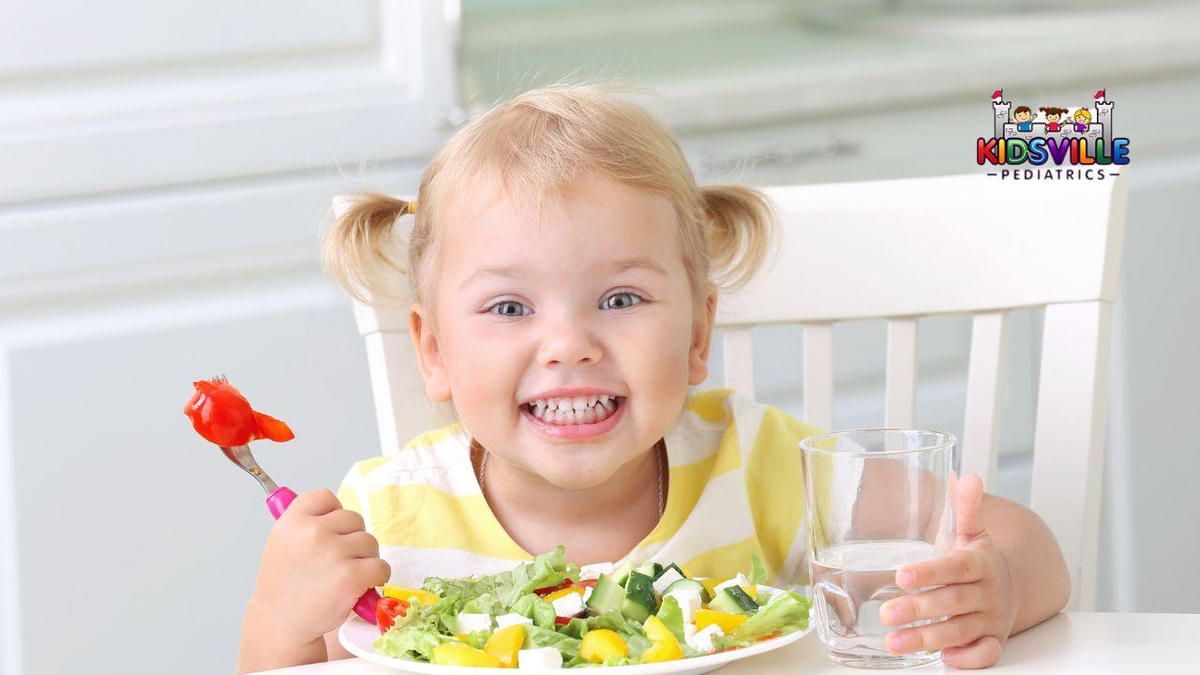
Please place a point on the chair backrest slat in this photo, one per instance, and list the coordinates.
(738, 344)
(818, 375)
(1068, 444)
(901, 378)
(985, 377)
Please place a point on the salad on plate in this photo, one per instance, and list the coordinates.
(542, 614)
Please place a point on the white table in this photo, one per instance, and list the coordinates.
(1074, 642)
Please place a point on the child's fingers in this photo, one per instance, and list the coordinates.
(314, 503)
(955, 631)
(360, 545)
(968, 499)
(949, 600)
(957, 567)
(981, 653)
(344, 522)
(376, 571)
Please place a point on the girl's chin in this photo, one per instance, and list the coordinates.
(571, 476)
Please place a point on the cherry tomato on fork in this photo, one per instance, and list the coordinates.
(386, 611)
(223, 416)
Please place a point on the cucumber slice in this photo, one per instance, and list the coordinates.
(607, 596)
(650, 569)
(639, 597)
(672, 566)
(688, 585)
(621, 574)
(733, 600)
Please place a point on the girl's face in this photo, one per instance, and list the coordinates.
(593, 294)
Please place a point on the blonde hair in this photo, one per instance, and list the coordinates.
(1087, 114)
(535, 145)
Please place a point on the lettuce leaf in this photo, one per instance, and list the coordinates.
(671, 615)
(541, 637)
(413, 636)
(547, 569)
(787, 612)
(758, 570)
(575, 628)
(533, 607)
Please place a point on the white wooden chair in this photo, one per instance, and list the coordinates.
(900, 250)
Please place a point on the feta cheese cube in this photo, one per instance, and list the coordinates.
(469, 623)
(543, 657)
(511, 619)
(666, 579)
(568, 605)
(689, 629)
(587, 593)
(702, 641)
(689, 602)
(739, 580)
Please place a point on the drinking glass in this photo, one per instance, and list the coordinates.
(877, 499)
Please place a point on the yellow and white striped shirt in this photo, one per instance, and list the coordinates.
(735, 488)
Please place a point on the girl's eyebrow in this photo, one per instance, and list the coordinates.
(518, 271)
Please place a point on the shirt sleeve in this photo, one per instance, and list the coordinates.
(348, 491)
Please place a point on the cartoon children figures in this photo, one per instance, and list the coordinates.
(1024, 118)
(1053, 116)
(1083, 118)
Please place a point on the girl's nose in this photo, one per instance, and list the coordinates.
(569, 342)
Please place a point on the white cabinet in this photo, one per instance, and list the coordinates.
(164, 169)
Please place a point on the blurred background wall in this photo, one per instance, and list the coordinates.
(165, 166)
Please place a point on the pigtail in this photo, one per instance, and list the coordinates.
(740, 232)
(357, 247)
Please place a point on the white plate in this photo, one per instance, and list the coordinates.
(358, 637)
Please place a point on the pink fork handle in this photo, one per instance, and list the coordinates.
(277, 503)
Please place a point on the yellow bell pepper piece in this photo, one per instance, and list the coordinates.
(459, 654)
(726, 621)
(551, 597)
(505, 643)
(711, 583)
(410, 594)
(663, 645)
(600, 644)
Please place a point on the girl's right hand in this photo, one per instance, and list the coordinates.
(317, 562)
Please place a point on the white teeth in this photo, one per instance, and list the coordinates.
(581, 410)
(577, 404)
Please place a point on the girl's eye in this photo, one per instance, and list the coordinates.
(628, 300)
(509, 308)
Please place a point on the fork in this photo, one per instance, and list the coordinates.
(278, 499)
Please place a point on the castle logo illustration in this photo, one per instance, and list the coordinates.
(1081, 138)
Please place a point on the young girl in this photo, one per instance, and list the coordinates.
(565, 270)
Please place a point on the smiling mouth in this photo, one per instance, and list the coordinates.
(569, 412)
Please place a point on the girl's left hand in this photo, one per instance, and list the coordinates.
(975, 593)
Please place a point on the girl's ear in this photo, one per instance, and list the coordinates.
(702, 330)
(429, 354)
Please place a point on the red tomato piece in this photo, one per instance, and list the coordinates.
(223, 416)
(386, 611)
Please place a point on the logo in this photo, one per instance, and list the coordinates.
(1066, 144)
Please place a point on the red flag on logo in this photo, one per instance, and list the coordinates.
(998, 93)
(1099, 95)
